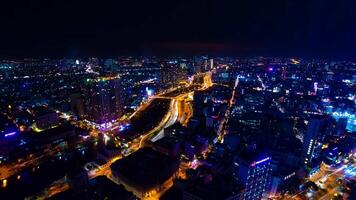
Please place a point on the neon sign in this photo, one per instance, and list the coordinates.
(263, 160)
(260, 161)
(10, 134)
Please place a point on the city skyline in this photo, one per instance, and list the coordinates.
(178, 100)
(177, 128)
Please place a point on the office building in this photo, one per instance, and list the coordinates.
(211, 64)
(312, 139)
(199, 99)
(103, 100)
(173, 73)
(44, 118)
(254, 175)
(77, 105)
(167, 74)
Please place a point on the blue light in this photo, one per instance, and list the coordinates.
(350, 171)
(149, 92)
(351, 119)
(22, 142)
(124, 126)
(263, 160)
(10, 134)
(260, 161)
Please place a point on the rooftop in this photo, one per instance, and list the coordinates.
(145, 169)
(99, 188)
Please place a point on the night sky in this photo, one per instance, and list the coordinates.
(58, 28)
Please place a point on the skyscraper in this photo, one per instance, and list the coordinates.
(182, 72)
(167, 74)
(198, 103)
(311, 141)
(254, 175)
(77, 105)
(211, 64)
(173, 73)
(103, 100)
(205, 65)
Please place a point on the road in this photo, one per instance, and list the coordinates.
(327, 179)
(174, 111)
(8, 170)
(221, 130)
(169, 119)
(173, 116)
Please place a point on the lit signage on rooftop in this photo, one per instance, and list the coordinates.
(10, 134)
(260, 161)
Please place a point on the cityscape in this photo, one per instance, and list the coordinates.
(178, 101)
(185, 128)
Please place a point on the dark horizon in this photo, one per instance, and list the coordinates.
(307, 29)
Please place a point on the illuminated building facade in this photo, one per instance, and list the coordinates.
(255, 176)
(103, 100)
(211, 64)
(9, 136)
(311, 141)
(172, 73)
(182, 72)
(8, 131)
(167, 74)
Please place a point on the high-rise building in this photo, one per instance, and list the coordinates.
(198, 103)
(341, 126)
(311, 140)
(254, 175)
(182, 72)
(77, 105)
(167, 74)
(211, 64)
(110, 65)
(197, 68)
(103, 100)
(173, 73)
(205, 65)
(283, 75)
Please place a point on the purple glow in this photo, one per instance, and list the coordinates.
(9, 134)
(270, 69)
